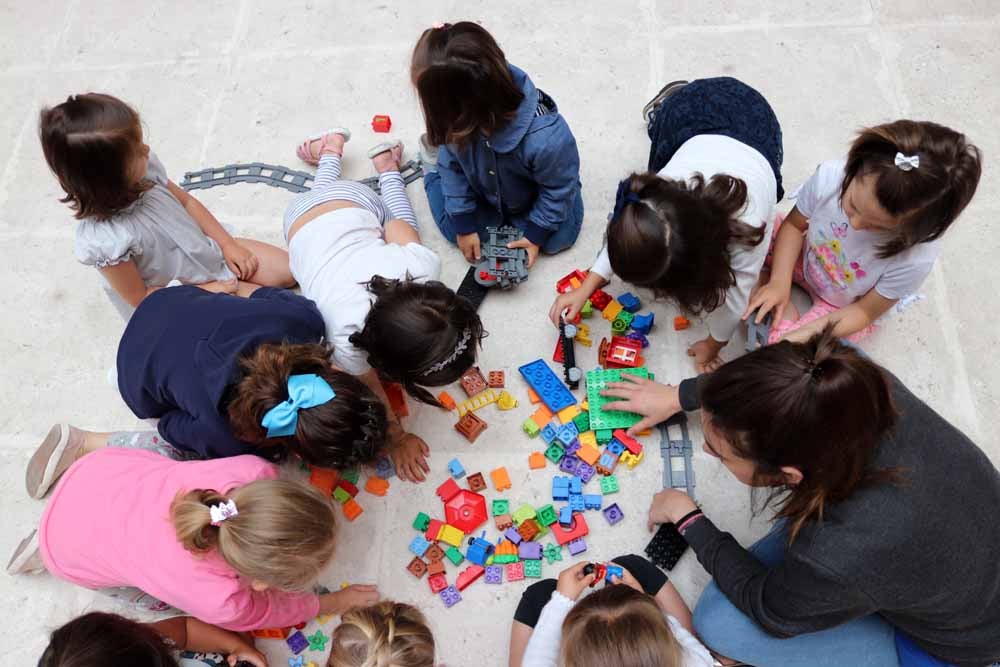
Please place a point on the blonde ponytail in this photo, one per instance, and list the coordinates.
(387, 634)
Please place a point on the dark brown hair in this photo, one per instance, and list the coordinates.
(90, 142)
(342, 433)
(676, 240)
(413, 327)
(927, 198)
(618, 625)
(98, 639)
(464, 83)
(818, 406)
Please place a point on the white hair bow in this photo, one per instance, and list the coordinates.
(222, 511)
(907, 162)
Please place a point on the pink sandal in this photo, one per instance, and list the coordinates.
(306, 155)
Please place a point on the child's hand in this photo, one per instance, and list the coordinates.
(706, 354)
(241, 260)
(221, 286)
(569, 303)
(668, 506)
(352, 597)
(654, 401)
(246, 653)
(627, 580)
(469, 245)
(766, 297)
(529, 246)
(409, 454)
(572, 581)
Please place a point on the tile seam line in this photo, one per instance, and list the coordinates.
(233, 62)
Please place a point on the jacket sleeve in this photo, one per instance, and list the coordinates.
(185, 431)
(459, 198)
(556, 168)
(792, 598)
(312, 327)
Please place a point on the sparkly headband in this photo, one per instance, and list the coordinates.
(462, 345)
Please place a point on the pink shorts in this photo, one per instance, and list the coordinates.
(819, 308)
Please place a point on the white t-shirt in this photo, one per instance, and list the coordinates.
(711, 154)
(543, 647)
(333, 256)
(841, 263)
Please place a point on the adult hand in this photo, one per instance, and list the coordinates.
(469, 245)
(766, 297)
(409, 455)
(669, 506)
(240, 260)
(627, 580)
(246, 653)
(569, 303)
(706, 354)
(352, 597)
(572, 581)
(654, 401)
(529, 246)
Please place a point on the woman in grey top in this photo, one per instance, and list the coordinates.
(136, 226)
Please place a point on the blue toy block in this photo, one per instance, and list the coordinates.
(576, 503)
(512, 535)
(566, 516)
(593, 501)
(613, 513)
(419, 545)
(529, 551)
(575, 485)
(479, 550)
(560, 488)
(494, 574)
(642, 323)
(629, 302)
(585, 471)
(569, 463)
(384, 468)
(636, 336)
(577, 547)
(616, 448)
(297, 642)
(614, 571)
(450, 596)
(547, 385)
(548, 434)
(567, 433)
(456, 469)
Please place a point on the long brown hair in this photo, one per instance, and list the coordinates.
(676, 239)
(386, 634)
(929, 197)
(99, 639)
(464, 83)
(618, 625)
(818, 406)
(90, 142)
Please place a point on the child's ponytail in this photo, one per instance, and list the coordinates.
(277, 532)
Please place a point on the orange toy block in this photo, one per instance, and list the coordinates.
(270, 633)
(352, 510)
(495, 379)
(533, 396)
(536, 461)
(323, 479)
(397, 398)
(501, 480)
(588, 454)
(612, 310)
(377, 486)
(542, 416)
(445, 399)
(681, 323)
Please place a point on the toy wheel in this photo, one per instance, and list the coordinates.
(575, 374)
(570, 330)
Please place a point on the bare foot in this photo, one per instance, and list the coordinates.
(388, 160)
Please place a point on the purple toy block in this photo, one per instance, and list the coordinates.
(572, 447)
(585, 471)
(494, 574)
(297, 642)
(529, 551)
(577, 546)
(450, 596)
(613, 513)
(512, 535)
(569, 464)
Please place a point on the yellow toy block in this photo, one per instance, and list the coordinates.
(588, 438)
(588, 454)
(566, 414)
(583, 335)
(612, 310)
(585, 405)
(451, 535)
(506, 401)
(630, 459)
(480, 400)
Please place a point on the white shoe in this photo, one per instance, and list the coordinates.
(27, 559)
(52, 458)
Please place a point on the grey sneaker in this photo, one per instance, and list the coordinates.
(27, 559)
(664, 93)
(428, 153)
(52, 458)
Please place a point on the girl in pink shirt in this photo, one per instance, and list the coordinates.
(222, 540)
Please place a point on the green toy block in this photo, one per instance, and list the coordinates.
(582, 421)
(490, 560)
(609, 484)
(351, 475)
(604, 436)
(501, 507)
(553, 552)
(588, 310)
(504, 559)
(454, 555)
(600, 420)
(523, 513)
(555, 453)
(542, 531)
(422, 522)
(531, 428)
(622, 322)
(533, 569)
(341, 496)
(547, 515)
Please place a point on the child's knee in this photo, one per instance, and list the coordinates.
(533, 600)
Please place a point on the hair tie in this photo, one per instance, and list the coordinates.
(813, 369)
(222, 511)
(304, 391)
(907, 162)
(623, 197)
(439, 25)
(460, 347)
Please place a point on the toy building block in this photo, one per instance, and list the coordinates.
(469, 575)
(666, 547)
(421, 522)
(506, 401)
(609, 485)
(631, 460)
(585, 471)
(352, 510)
(575, 485)
(613, 513)
(298, 661)
(638, 337)
(341, 496)
(611, 311)
(758, 333)
(569, 464)
(566, 415)
(621, 352)
(542, 416)
(552, 552)
(577, 546)
(472, 381)
(500, 506)
(434, 527)
(554, 453)
(622, 322)
(577, 529)
(501, 480)
(450, 596)
(376, 486)
(434, 553)
(597, 380)
(678, 468)
(643, 322)
(494, 574)
(384, 468)
(479, 550)
(515, 572)
(529, 550)
(530, 428)
(447, 490)
(573, 447)
(587, 311)
(451, 535)
(351, 475)
(567, 433)
(513, 535)
(548, 434)
(506, 552)
(323, 479)
(576, 503)
(599, 570)
(397, 398)
(480, 400)
(603, 435)
(600, 299)
(523, 513)
(546, 515)
(681, 323)
(587, 437)
(466, 511)
(470, 426)
(630, 443)
(455, 469)
(588, 454)
(614, 572)
(476, 481)
(297, 642)
(615, 447)
(419, 546)
(495, 379)
(270, 633)
(436, 567)
(570, 281)
(381, 123)
(566, 516)
(437, 583)
(630, 302)
(533, 397)
(503, 522)
(317, 641)
(454, 555)
(582, 421)
(528, 529)
(536, 461)
(592, 501)
(606, 464)
(533, 569)
(501, 265)
(560, 488)
(446, 401)
(553, 393)
(348, 486)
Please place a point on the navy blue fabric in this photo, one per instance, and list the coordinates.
(527, 173)
(180, 352)
(721, 105)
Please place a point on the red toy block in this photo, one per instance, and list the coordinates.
(681, 323)
(472, 381)
(352, 510)
(476, 482)
(501, 480)
(433, 530)
(437, 567)
(470, 425)
(347, 486)
(466, 511)
(630, 443)
(495, 379)
(434, 554)
(381, 123)
(565, 284)
(417, 568)
(468, 575)
(447, 490)
(576, 530)
(271, 633)
(621, 352)
(557, 356)
(437, 583)
(397, 398)
(600, 299)
(446, 401)
(515, 571)
(323, 479)
(377, 486)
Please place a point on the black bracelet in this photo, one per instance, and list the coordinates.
(690, 515)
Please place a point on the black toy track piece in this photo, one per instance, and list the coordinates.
(757, 334)
(666, 547)
(572, 374)
(471, 289)
(277, 176)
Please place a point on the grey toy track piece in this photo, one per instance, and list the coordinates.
(501, 266)
(678, 471)
(278, 176)
(757, 334)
